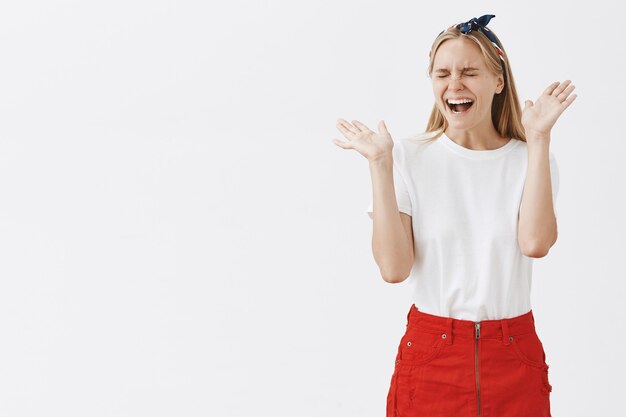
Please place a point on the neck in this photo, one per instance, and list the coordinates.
(477, 138)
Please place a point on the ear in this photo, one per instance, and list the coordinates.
(500, 85)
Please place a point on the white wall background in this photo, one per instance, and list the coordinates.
(179, 236)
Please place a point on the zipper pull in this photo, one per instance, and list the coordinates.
(477, 325)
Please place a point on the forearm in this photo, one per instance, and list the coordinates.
(392, 246)
(537, 228)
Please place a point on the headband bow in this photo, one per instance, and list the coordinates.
(475, 24)
(480, 24)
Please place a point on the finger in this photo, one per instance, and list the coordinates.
(561, 87)
(551, 88)
(528, 104)
(342, 144)
(567, 92)
(569, 101)
(346, 127)
(361, 126)
(382, 127)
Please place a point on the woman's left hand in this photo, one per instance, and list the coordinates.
(538, 118)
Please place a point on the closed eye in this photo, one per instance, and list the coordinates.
(443, 76)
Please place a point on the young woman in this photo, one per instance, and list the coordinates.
(461, 211)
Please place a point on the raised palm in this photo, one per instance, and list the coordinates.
(539, 117)
(372, 145)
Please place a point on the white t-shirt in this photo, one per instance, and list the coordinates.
(464, 205)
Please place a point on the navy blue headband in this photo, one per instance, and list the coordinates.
(480, 25)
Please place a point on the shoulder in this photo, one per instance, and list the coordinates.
(424, 137)
(522, 148)
(412, 144)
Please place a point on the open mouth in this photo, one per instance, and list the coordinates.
(459, 106)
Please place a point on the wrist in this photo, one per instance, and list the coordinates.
(537, 136)
(385, 160)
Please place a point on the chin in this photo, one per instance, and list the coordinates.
(460, 123)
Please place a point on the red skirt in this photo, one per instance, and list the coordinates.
(447, 367)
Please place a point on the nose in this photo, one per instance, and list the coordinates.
(455, 82)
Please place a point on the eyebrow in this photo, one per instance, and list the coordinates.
(464, 69)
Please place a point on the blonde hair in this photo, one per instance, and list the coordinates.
(506, 112)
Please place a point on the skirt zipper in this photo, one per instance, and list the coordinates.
(477, 326)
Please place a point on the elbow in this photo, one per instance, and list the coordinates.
(395, 270)
(535, 250)
(535, 253)
(395, 276)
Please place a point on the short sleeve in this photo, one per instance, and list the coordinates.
(554, 175)
(401, 188)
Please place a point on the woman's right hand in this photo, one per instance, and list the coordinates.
(370, 144)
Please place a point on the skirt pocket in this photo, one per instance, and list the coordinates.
(419, 346)
(529, 349)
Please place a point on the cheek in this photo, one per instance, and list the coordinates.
(438, 85)
(438, 90)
